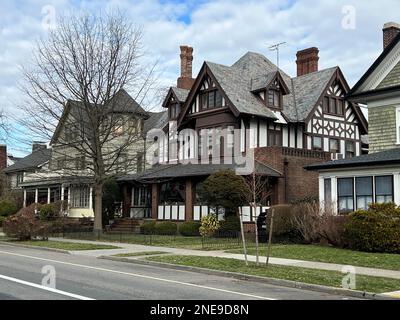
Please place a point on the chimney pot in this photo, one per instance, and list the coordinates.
(307, 61)
(185, 81)
(390, 31)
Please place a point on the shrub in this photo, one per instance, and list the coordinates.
(24, 225)
(306, 221)
(147, 227)
(374, 230)
(230, 224)
(190, 228)
(47, 211)
(331, 229)
(7, 207)
(165, 228)
(209, 225)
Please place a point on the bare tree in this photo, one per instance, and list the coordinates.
(75, 82)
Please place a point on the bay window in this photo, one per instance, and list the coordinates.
(80, 197)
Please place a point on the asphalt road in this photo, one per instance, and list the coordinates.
(82, 277)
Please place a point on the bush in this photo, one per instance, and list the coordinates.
(147, 227)
(374, 230)
(7, 207)
(165, 228)
(24, 225)
(331, 229)
(47, 211)
(209, 225)
(306, 221)
(189, 229)
(230, 224)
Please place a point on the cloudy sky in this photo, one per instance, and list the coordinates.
(347, 32)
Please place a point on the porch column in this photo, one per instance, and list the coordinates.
(48, 195)
(69, 199)
(155, 196)
(62, 198)
(24, 198)
(36, 199)
(321, 193)
(334, 197)
(91, 198)
(396, 191)
(189, 200)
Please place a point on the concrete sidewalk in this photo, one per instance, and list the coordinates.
(131, 248)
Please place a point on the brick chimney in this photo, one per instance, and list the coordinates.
(3, 156)
(390, 31)
(38, 145)
(185, 81)
(307, 61)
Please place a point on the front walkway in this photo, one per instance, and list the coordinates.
(132, 248)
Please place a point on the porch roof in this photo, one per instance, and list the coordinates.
(168, 171)
(55, 181)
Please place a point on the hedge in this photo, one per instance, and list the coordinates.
(374, 230)
(147, 227)
(165, 228)
(189, 229)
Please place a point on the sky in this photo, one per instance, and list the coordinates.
(348, 34)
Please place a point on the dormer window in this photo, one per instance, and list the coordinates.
(174, 111)
(274, 99)
(333, 105)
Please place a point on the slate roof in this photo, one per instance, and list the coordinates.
(253, 70)
(180, 93)
(169, 171)
(32, 161)
(386, 157)
(157, 120)
(123, 102)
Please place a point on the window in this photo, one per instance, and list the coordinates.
(174, 111)
(317, 143)
(340, 107)
(326, 105)
(334, 146)
(327, 193)
(384, 189)
(345, 195)
(273, 98)
(172, 193)
(80, 197)
(20, 178)
(364, 193)
(210, 99)
(274, 137)
(141, 196)
(350, 149)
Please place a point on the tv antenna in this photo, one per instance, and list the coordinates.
(275, 47)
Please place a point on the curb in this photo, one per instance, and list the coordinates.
(34, 247)
(273, 281)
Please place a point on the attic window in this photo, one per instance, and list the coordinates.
(274, 99)
(333, 105)
(210, 99)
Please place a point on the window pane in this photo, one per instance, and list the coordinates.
(326, 104)
(270, 98)
(276, 99)
(203, 100)
(364, 186)
(384, 185)
(332, 106)
(327, 190)
(317, 142)
(211, 102)
(363, 202)
(345, 187)
(334, 145)
(218, 99)
(340, 107)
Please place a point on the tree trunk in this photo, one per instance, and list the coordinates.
(98, 207)
(243, 238)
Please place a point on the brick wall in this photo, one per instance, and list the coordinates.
(296, 182)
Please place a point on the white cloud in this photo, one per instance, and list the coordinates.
(219, 30)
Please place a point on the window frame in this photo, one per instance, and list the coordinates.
(348, 197)
(357, 195)
(338, 145)
(313, 143)
(385, 195)
(349, 142)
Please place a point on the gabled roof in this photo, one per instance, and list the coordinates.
(179, 94)
(253, 71)
(32, 161)
(122, 102)
(386, 157)
(355, 91)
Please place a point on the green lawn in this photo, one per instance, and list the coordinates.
(321, 277)
(331, 255)
(140, 254)
(70, 246)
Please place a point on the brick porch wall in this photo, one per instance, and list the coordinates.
(296, 182)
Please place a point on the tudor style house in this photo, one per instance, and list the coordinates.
(287, 122)
(61, 172)
(351, 184)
